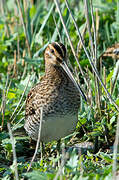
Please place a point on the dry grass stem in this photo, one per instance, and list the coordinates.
(16, 125)
(19, 110)
(14, 151)
(116, 144)
(94, 32)
(24, 27)
(3, 13)
(18, 50)
(3, 104)
(115, 79)
(57, 28)
(69, 39)
(97, 24)
(20, 99)
(38, 141)
(90, 60)
(97, 85)
(65, 156)
(23, 62)
(15, 64)
(79, 45)
(89, 28)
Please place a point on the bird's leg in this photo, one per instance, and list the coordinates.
(58, 151)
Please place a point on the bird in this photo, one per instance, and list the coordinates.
(58, 94)
(112, 51)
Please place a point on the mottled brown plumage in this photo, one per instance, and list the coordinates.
(59, 97)
(112, 51)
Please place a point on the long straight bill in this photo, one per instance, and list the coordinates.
(67, 70)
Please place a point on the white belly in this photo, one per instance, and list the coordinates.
(57, 127)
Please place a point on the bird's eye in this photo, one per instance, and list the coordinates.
(52, 51)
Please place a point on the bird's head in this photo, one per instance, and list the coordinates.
(56, 55)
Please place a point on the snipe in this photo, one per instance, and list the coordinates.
(58, 94)
(112, 51)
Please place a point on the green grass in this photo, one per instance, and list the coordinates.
(25, 31)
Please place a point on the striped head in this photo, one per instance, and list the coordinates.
(55, 54)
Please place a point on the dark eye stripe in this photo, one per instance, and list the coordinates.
(58, 49)
(60, 60)
(63, 48)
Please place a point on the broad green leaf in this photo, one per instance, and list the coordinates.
(11, 95)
